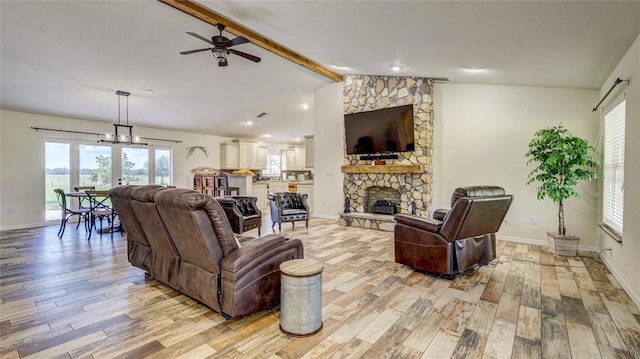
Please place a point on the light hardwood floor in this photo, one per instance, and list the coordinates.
(82, 299)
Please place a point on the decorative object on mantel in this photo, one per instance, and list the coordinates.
(347, 205)
(564, 160)
(192, 149)
(413, 208)
(122, 133)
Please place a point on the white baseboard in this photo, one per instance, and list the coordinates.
(539, 242)
(634, 296)
(23, 226)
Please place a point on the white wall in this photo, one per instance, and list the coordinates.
(481, 133)
(22, 160)
(328, 151)
(622, 260)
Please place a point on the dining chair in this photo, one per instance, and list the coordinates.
(100, 208)
(82, 213)
(82, 189)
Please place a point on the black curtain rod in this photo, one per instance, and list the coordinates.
(618, 81)
(98, 134)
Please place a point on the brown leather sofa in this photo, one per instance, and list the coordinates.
(231, 276)
(242, 212)
(460, 238)
(288, 207)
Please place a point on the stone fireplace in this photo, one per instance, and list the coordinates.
(406, 180)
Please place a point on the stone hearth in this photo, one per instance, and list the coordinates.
(410, 175)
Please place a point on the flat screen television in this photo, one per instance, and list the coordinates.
(380, 131)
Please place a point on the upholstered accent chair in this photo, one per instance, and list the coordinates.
(288, 207)
(454, 240)
(243, 213)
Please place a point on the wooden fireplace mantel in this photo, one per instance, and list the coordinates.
(383, 169)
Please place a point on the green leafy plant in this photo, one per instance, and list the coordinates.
(192, 149)
(563, 160)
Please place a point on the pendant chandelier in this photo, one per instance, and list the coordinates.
(123, 133)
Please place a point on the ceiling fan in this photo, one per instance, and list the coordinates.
(221, 47)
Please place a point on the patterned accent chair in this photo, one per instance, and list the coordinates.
(288, 207)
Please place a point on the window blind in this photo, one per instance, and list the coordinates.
(613, 168)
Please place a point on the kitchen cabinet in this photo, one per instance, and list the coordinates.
(278, 186)
(248, 155)
(262, 158)
(260, 192)
(308, 151)
(228, 156)
(294, 159)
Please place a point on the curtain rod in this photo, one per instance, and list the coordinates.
(616, 83)
(98, 134)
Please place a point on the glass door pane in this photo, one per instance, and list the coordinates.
(95, 166)
(135, 166)
(57, 175)
(163, 167)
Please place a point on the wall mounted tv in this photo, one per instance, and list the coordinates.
(380, 131)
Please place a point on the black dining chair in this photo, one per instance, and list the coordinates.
(82, 213)
(82, 199)
(100, 209)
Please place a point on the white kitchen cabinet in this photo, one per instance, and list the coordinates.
(248, 154)
(262, 158)
(295, 160)
(260, 192)
(308, 151)
(228, 156)
(278, 186)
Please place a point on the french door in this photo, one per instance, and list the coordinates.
(73, 163)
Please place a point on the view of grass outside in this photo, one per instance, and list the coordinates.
(96, 170)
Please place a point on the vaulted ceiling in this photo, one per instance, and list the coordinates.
(67, 58)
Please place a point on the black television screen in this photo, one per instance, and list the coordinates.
(386, 130)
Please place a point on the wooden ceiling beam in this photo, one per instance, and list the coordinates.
(210, 17)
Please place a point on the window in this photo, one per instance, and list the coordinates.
(163, 166)
(613, 169)
(273, 165)
(57, 175)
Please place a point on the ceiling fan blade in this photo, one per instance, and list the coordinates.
(194, 51)
(245, 55)
(237, 41)
(200, 37)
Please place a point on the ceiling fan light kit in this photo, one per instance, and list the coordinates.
(221, 47)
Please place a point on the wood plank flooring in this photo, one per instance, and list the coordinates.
(73, 298)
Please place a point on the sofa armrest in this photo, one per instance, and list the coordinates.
(250, 250)
(426, 224)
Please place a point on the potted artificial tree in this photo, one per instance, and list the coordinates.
(563, 160)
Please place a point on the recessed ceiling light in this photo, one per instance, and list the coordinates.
(248, 123)
(395, 67)
(338, 67)
(304, 106)
(297, 139)
(148, 91)
(474, 70)
(266, 135)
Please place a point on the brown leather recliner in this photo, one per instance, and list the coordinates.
(230, 277)
(243, 213)
(138, 247)
(460, 239)
(165, 260)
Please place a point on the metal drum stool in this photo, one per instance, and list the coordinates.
(301, 297)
